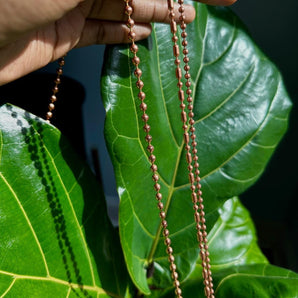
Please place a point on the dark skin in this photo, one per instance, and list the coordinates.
(36, 32)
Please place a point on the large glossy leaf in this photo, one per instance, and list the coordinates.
(241, 113)
(238, 266)
(258, 280)
(56, 239)
(232, 242)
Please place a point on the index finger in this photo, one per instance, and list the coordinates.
(144, 11)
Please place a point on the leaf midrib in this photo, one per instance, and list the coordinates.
(50, 278)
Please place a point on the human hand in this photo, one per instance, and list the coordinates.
(36, 32)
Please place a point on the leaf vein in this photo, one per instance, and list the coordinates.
(28, 222)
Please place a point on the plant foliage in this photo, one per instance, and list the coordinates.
(56, 239)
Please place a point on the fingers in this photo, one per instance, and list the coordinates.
(144, 11)
(103, 32)
(218, 2)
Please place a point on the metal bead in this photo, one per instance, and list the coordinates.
(174, 38)
(155, 177)
(145, 117)
(51, 106)
(173, 267)
(143, 106)
(183, 34)
(138, 72)
(171, 259)
(183, 26)
(61, 62)
(187, 76)
(136, 60)
(188, 84)
(53, 98)
(191, 121)
(140, 84)
(152, 158)
(130, 23)
(164, 223)
(160, 206)
(172, 15)
(182, 18)
(150, 148)
(154, 168)
(158, 196)
(169, 250)
(168, 243)
(178, 291)
(175, 276)
(176, 283)
(128, 10)
(179, 84)
(157, 186)
(148, 138)
(162, 215)
(141, 95)
(186, 67)
(166, 233)
(186, 59)
(170, 4)
(181, 9)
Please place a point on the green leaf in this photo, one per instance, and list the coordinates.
(258, 280)
(241, 114)
(232, 242)
(239, 268)
(56, 239)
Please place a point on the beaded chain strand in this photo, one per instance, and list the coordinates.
(150, 147)
(55, 90)
(192, 159)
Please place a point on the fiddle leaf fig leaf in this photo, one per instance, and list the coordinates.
(256, 280)
(56, 239)
(241, 110)
(239, 268)
(232, 242)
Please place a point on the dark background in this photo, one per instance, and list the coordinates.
(272, 201)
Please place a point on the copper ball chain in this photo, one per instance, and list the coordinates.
(152, 158)
(191, 154)
(55, 90)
